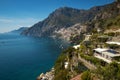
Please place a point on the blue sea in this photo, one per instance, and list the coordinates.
(24, 58)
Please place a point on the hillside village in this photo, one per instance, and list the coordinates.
(98, 50)
(95, 56)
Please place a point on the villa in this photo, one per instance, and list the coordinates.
(107, 55)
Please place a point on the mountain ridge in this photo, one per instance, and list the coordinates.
(21, 29)
(65, 17)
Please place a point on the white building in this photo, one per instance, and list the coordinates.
(76, 46)
(107, 55)
(111, 42)
(66, 65)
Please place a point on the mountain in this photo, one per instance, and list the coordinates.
(19, 30)
(66, 17)
(62, 17)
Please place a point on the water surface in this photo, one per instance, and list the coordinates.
(24, 58)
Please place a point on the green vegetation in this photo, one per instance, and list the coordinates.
(116, 59)
(86, 75)
(80, 68)
(112, 34)
(62, 75)
(104, 71)
(65, 74)
(103, 38)
(111, 23)
(113, 46)
(60, 72)
(109, 72)
(118, 0)
(76, 39)
(93, 60)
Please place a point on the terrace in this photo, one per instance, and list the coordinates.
(111, 42)
(107, 55)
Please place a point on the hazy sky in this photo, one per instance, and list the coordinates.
(17, 13)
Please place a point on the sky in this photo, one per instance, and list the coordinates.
(25, 13)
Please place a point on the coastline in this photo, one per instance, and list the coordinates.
(47, 76)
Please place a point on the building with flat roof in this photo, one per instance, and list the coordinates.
(107, 55)
(112, 42)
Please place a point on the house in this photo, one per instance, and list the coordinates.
(107, 55)
(66, 65)
(76, 46)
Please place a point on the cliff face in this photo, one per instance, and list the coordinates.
(64, 18)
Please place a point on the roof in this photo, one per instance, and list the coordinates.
(109, 52)
(111, 42)
(78, 77)
(76, 46)
(100, 50)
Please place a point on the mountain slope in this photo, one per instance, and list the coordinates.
(62, 17)
(66, 17)
(19, 30)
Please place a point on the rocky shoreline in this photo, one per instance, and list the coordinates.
(47, 76)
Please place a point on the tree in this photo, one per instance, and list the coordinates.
(109, 72)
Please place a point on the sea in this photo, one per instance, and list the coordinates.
(24, 58)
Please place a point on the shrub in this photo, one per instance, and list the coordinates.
(91, 59)
(86, 76)
(113, 46)
(62, 75)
